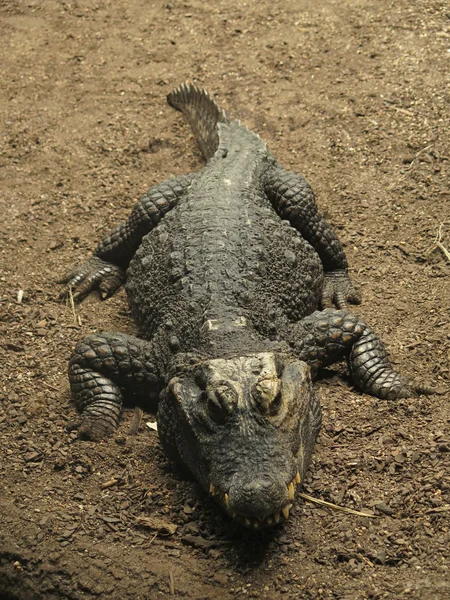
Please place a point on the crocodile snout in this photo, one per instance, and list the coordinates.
(259, 502)
(258, 498)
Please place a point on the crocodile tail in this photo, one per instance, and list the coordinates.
(202, 113)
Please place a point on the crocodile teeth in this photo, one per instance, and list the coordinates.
(291, 490)
(285, 510)
(256, 523)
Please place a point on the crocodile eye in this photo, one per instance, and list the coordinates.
(267, 394)
(220, 402)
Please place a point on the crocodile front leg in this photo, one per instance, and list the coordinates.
(102, 366)
(105, 271)
(293, 199)
(328, 336)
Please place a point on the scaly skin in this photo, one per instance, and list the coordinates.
(226, 271)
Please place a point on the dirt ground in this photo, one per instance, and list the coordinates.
(352, 93)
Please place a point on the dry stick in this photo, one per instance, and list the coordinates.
(401, 110)
(76, 318)
(153, 538)
(438, 509)
(336, 507)
(137, 420)
(438, 243)
(50, 386)
(417, 156)
(109, 483)
(171, 582)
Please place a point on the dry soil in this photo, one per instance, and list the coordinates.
(352, 93)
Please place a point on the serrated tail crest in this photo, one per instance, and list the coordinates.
(202, 113)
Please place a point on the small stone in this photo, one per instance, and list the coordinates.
(192, 528)
(67, 533)
(59, 463)
(32, 456)
(399, 458)
(55, 244)
(220, 578)
(196, 541)
(384, 508)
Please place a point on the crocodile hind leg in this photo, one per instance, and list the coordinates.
(293, 199)
(102, 367)
(328, 336)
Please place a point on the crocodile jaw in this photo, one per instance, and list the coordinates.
(274, 518)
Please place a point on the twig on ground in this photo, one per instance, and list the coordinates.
(438, 243)
(109, 483)
(171, 582)
(400, 110)
(417, 156)
(76, 318)
(438, 509)
(336, 507)
(137, 420)
(52, 387)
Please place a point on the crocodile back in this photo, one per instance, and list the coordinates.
(221, 264)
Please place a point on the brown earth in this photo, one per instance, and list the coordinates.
(352, 93)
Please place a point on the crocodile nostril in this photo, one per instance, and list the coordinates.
(216, 411)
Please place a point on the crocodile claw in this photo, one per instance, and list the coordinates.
(338, 291)
(93, 274)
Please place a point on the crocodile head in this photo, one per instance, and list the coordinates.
(245, 427)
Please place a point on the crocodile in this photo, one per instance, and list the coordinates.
(239, 289)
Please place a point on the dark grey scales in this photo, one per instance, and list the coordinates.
(225, 272)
